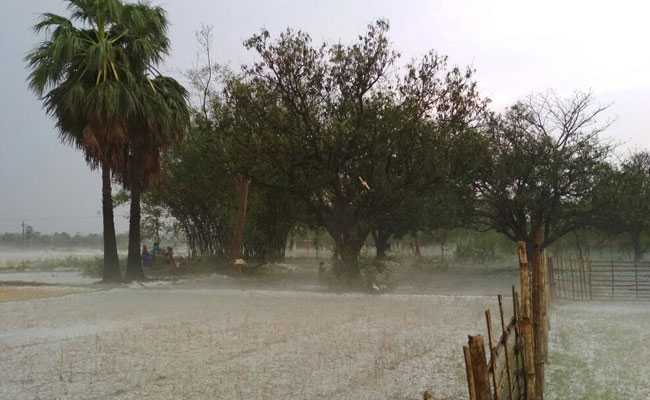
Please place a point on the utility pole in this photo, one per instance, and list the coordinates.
(23, 226)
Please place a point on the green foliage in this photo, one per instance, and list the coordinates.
(96, 75)
(539, 168)
(482, 247)
(56, 240)
(89, 266)
(622, 201)
(336, 128)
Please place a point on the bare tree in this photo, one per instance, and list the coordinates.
(202, 75)
(542, 160)
(543, 157)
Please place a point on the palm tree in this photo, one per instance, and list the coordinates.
(162, 117)
(163, 121)
(77, 72)
(110, 100)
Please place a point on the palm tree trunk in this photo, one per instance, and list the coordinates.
(111, 272)
(136, 181)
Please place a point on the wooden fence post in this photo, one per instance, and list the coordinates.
(519, 344)
(636, 279)
(505, 347)
(612, 277)
(525, 325)
(591, 294)
(551, 279)
(479, 368)
(572, 265)
(470, 373)
(544, 295)
(583, 266)
(493, 355)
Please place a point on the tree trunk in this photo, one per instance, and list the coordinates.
(111, 272)
(349, 252)
(538, 312)
(382, 244)
(136, 182)
(242, 186)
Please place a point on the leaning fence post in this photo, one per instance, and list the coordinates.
(505, 347)
(470, 373)
(479, 368)
(493, 367)
(518, 343)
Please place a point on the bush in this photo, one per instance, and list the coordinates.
(482, 248)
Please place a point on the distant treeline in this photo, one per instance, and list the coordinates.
(57, 239)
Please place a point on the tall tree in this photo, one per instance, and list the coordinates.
(162, 115)
(543, 158)
(75, 72)
(98, 78)
(350, 138)
(622, 201)
(162, 122)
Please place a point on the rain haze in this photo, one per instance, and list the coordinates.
(516, 47)
(384, 200)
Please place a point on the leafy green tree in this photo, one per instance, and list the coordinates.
(622, 201)
(349, 138)
(541, 162)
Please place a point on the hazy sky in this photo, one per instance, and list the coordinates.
(517, 47)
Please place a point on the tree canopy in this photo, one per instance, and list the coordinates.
(351, 134)
(543, 158)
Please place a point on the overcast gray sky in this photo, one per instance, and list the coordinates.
(517, 47)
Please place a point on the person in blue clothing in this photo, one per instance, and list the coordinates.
(155, 251)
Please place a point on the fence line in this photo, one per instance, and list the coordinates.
(583, 279)
(514, 369)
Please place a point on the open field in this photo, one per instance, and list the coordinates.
(192, 340)
(599, 351)
(11, 256)
(215, 337)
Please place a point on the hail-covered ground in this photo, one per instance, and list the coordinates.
(213, 338)
(599, 351)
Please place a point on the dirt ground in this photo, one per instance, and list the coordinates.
(198, 339)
